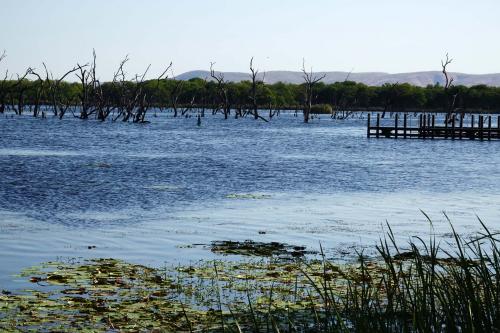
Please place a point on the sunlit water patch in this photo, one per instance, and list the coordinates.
(34, 153)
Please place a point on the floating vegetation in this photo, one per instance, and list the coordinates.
(247, 196)
(251, 248)
(109, 294)
(259, 249)
(97, 295)
(427, 289)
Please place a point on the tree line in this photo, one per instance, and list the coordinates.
(129, 98)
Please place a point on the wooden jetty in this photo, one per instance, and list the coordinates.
(427, 128)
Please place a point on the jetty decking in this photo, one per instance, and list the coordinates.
(453, 128)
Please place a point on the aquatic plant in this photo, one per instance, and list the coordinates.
(260, 249)
(428, 288)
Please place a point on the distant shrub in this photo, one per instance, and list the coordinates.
(321, 108)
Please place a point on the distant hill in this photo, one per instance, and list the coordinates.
(369, 78)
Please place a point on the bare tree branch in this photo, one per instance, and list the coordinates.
(444, 64)
(450, 100)
(222, 90)
(310, 79)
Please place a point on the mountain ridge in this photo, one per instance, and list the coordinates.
(421, 78)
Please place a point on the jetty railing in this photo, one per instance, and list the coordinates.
(452, 128)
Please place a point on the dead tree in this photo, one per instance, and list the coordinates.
(340, 102)
(132, 103)
(188, 107)
(3, 92)
(59, 107)
(222, 90)
(175, 93)
(120, 82)
(86, 83)
(310, 80)
(142, 106)
(203, 97)
(137, 106)
(142, 98)
(18, 88)
(162, 77)
(90, 85)
(3, 86)
(253, 95)
(38, 92)
(272, 112)
(104, 104)
(450, 99)
(253, 92)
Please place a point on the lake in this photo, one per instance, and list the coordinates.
(154, 193)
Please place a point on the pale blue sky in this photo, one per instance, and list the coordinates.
(375, 35)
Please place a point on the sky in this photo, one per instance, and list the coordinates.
(331, 35)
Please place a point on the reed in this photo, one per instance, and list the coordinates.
(428, 287)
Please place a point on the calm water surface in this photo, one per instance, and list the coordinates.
(145, 192)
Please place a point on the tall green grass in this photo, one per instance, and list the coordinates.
(430, 288)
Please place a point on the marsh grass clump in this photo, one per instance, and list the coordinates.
(321, 109)
(428, 288)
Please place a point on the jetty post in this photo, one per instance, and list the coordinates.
(368, 126)
(461, 126)
(489, 127)
(405, 116)
(396, 126)
(433, 126)
(378, 125)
